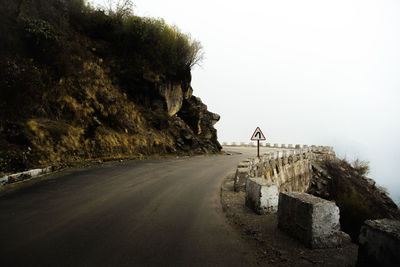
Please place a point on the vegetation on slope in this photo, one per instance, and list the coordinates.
(81, 83)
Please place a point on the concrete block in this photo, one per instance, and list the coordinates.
(241, 176)
(290, 146)
(268, 145)
(297, 146)
(379, 243)
(276, 145)
(261, 196)
(311, 220)
(283, 146)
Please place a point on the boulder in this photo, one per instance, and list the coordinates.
(201, 121)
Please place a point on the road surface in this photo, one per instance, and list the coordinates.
(163, 212)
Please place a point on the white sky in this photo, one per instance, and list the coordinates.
(309, 72)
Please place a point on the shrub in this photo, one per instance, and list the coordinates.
(146, 43)
(362, 167)
(158, 46)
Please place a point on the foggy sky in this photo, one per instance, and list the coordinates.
(308, 72)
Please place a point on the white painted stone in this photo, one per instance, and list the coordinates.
(16, 177)
(34, 172)
(261, 196)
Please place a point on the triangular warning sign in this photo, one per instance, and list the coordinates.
(258, 135)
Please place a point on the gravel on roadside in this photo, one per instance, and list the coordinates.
(273, 247)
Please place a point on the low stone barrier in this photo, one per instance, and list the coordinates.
(289, 170)
(17, 177)
(261, 196)
(277, 170)
(379, 243)
(311, 220)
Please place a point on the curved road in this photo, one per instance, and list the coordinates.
(143, 213)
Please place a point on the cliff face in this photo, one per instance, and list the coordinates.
(72, 91)
(358, 197)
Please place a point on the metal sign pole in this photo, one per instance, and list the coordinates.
(257, 136)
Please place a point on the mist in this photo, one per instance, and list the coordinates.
(305, 72)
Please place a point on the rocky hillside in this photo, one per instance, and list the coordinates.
(358, 197)
(79, 84)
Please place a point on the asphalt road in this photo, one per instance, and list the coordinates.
(142, 213)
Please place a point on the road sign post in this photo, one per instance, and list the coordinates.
(258, 136)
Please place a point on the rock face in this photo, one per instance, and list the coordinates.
(379, 243)
(320, 182)
(312, 220)
(201, 122)
(70, 92)
(174, 94)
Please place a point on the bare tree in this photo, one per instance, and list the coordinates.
(119, 8)
(196, 54)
